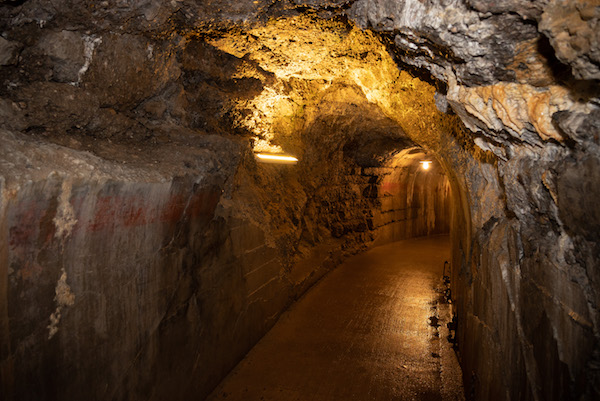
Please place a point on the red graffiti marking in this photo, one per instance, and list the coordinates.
(390, 186)
(132, 211)
(30, 271)
(27, 217)
(174, 208)
(34, 219)
(119, 210)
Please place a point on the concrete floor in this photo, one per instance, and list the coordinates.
(362, 333)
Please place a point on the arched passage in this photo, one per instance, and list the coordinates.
(415, 197)
(374, 329)
(139, 231)
(224, 243)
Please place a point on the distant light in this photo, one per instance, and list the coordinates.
(281, 159)
(425, 164)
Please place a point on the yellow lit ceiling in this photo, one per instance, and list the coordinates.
(309, 57)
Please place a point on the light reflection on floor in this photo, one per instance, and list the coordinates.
(362, 333)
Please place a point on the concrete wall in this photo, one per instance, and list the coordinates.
(413, 202)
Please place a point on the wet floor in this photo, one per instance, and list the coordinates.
(363, 333)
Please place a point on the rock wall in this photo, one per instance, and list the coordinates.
(136, 282)
(522, 76)
(150, 277)
(166, 100)
(527, 295)
(100, 273)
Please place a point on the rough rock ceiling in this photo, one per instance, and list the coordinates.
(509, 66)
(328, 67)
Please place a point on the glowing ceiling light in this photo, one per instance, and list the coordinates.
(281, 159)
(425, 164)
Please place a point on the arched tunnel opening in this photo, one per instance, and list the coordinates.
(415, 197)
(145, 248)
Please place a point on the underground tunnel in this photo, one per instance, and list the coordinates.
(145, 248)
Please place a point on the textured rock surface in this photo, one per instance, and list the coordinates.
(572, 27)
(221, 277)
(96, 267)
(166, 100)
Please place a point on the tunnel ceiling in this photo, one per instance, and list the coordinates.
(267, 70)
(329, 76)
(506, 69)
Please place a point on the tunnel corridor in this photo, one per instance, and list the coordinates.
(375, 327)
(146, 247)
(372, 329)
